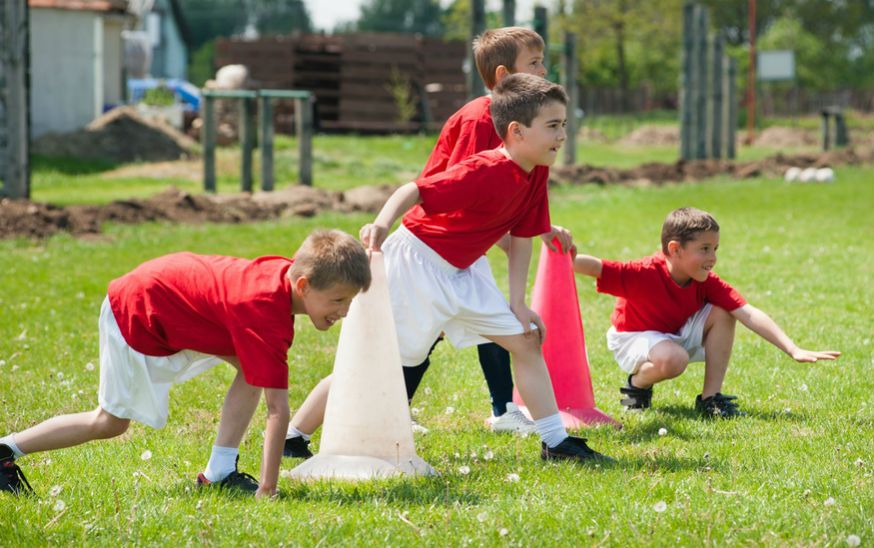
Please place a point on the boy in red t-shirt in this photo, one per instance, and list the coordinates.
(433, 260)
(176, 316)
(672, 309)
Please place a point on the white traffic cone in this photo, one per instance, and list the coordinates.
(367, 431)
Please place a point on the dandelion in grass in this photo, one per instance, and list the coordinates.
(663, 431)
(55, 491)
(803, 387)
(146, 455)
(860, 463)
(504, 532)
(464, 470)
(415, 411)
(829, 501)
(427, 391)
(59, 506)
(488, 455)
(513, 478)
(660, 506)
(89, 366)
(2, 363)
(482, 517)
(449, 410)
(853, 540)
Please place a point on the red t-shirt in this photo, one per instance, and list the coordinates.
(217, 305)
(468, 131)
(650, 300)
(466, 209)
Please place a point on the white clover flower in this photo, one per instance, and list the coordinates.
(2, 362)
(663, 431)
(859, 462)
(513, 478)
(482, 516)
(464, 470)
(55, 491)
(853, 540)
(829, 501)
(660, 506)
(89, 366)
(59, 506)
(146, 455)
(803, 387)
(504, 532)
(449, 410)
(415, 411)
(427, 390)
(488, 455)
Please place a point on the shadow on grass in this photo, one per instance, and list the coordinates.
(70, 165)
(437, 490)
(772, 415)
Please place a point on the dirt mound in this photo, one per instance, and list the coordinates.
(592, 135)
(657, 173)
(650, 135)
(787, 137)
(120, 135)
(24, 219)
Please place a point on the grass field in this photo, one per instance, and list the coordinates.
(797, 471)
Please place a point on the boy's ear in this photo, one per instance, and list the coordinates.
(673, 247)
(301, 285)
(514, 128)
(501, 72)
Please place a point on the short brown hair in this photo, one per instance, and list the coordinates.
(496, 47)
(683, 225)
(330, 257)
(519, 98)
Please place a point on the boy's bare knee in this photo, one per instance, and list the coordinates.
(106, 425)
(670, 358)
(719, 316)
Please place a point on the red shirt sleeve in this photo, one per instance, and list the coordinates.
(612, 279)
(457, 188)
(536, 221)
(720, 293)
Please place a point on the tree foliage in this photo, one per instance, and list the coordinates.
(419, 16)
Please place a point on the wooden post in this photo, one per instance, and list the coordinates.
(731, 109)
(541, 27)
(208, 140)
(475, 87)
(826, 138)
(509, 13)
(572, 89)
(266, 143)
(15, 99)
(700, 68)
(304, 117)
(716, 111)
(751, 75)
(687, 128)
(247, 141)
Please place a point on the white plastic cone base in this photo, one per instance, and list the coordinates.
(367, 431)
(358, 468)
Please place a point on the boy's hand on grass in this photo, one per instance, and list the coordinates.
(526, 317)
(266, 494)
(810, 356)
(565, 239)
(372, 235)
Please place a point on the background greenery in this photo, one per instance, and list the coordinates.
(796, 471)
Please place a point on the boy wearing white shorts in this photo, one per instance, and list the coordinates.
(673, 309)
(176, 316)
(437, 275)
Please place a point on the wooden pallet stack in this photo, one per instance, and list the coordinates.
(318, 70)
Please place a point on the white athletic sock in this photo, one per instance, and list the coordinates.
(295, 433)
(222, 462)
(10, 441)
(551, 430)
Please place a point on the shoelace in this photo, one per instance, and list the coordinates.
(519, 416)
(14, 471)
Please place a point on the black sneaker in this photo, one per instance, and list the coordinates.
(11, 477)
(572, 449)
(236, 480)
(297, 448)
(718, 405)
(637, 399)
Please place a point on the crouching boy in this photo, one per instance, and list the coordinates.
(673, 309)
(176, 316)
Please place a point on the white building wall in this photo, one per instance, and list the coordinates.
(67, 86)
(113, 60)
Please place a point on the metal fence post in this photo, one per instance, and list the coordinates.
(305, 139)
(687, 127)
(208, 139)
(475, 87)
(266, 143)
(247, 141)
(570, 86)
(15, 97)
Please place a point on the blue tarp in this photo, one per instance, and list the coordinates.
(186, 92)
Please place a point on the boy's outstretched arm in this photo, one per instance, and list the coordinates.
(588, 265)
(761, 324)
(373, 234)
(565, 240)
(519, 260)
(274, 439)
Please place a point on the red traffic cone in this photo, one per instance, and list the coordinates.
(564, 350)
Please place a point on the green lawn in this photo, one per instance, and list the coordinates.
(796, 471)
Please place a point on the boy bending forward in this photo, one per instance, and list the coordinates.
(176, 316)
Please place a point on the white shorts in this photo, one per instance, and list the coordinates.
(136, 386)
(429, 295)
(631, 348)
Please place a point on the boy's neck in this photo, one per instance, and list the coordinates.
(510, 152)
(679, 278)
